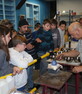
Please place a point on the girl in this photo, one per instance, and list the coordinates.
(5, 67)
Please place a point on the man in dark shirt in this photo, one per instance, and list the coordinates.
(31, 43)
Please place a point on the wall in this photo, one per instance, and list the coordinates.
(67, 5)
(44, 9)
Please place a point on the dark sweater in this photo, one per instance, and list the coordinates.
(47, 42)
(56, 38)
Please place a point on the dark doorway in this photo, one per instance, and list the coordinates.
(53, 9)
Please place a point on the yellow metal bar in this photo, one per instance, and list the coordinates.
(45, 55)
(3, 77)
(34, 61)
(33, 90)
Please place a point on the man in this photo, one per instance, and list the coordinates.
(23, 30)
(80, 21)
(75, 30)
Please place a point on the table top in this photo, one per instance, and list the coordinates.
(66, 63)
(53, 80)
(69, 63)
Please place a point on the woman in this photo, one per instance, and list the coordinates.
(5, 67)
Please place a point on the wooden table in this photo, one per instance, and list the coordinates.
(53, 80)
(71, 65)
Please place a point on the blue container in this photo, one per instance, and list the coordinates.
(54, 63)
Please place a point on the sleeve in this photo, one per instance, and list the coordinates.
(21, 60)
(59, 39)
(2, 58)
(5, 67)
(78, 45)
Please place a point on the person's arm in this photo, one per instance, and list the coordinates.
(72, 53)
(59, 39)
(20, 60)
(5, 67)
(77, 69)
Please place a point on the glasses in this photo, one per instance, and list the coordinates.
(23, 44)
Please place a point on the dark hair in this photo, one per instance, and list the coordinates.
(22, 22)
(54, 21)
(62, 22)
(37, 25)
(3, 32)
(18, 39)
(46, 21)
(80, 19)
(7, 22)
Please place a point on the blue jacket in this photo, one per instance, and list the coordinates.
(47, 42)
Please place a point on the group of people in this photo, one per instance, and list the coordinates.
(18, 49)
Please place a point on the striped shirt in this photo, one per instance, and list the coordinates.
(30, 39)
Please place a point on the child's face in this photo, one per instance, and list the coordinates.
(46, 27)
(23, 28)
(53, 26)
(62, 27)
(6, 39)
(21, 47)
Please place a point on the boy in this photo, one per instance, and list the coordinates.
(46, 45)
(20, 58)
(55, 34)
(62, 27)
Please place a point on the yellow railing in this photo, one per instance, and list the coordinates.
(31, 63)
(34, 61)
(33, 90)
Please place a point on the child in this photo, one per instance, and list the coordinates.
(36, 28)
(8, 24)
(20, 58)
(62, 27)
(46, 45)
(55, 34)
(5, 67)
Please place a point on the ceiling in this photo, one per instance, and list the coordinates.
(50, 0)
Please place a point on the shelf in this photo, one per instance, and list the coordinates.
(0, 3)
(9, 15)
(7, 10)
(9, 5)
(29, 18)
(1, 14)
(32, 13)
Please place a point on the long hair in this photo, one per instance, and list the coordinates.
(3, 32)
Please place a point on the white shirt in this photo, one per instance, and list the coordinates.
(79, 48)
(20, 59)
(62, 37)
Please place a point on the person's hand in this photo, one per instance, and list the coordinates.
(16, 70)
(77, 69)
(60, 56)
(38, 40)
(56, 49)
(29, 46)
